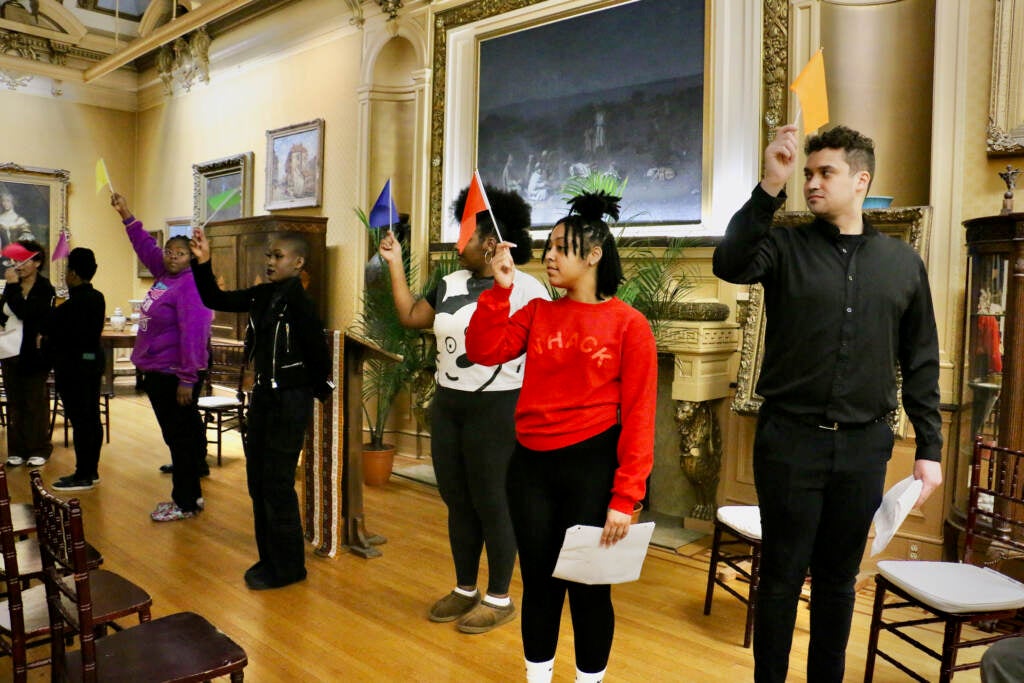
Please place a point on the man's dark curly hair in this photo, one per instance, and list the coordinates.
(859, 148)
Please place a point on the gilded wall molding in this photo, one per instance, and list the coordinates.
(774, 64)
(444, 21)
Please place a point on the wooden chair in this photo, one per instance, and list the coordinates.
(220, 413)
(955, 594)
(179, 647)
(24, 622)
(737, 541)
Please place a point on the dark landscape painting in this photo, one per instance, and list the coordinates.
(619, 90)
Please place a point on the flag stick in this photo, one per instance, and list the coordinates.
(220, 206)
(799, 111)
(489, 212)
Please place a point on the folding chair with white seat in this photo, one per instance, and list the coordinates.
(956, 594)
(227, 370)
(743, 524)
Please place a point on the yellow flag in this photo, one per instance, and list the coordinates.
(810, 89)
(102, 178)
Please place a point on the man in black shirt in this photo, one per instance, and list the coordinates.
(74, 338)
(844, 305)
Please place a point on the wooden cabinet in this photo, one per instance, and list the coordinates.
(238, 249)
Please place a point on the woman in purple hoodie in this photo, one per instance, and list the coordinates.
(171, 350)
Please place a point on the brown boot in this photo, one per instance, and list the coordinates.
(452, 606)
(485, 617)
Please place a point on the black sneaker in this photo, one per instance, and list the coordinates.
(72, 483)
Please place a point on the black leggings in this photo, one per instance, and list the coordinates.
(550, 491)
(472, 437)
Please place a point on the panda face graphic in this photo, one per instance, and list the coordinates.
(451, 347)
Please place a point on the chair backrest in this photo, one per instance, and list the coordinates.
(228, 369)
(995, 508)
(62, 550)
(12, 578)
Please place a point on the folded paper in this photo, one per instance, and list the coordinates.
(896, 505)
(584, 560)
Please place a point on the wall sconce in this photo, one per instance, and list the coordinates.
(184, 60)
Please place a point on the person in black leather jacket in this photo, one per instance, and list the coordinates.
(285, 343)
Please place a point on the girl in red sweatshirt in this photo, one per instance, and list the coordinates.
(584, 423)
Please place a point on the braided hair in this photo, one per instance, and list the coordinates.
(513, 216)
(585, 229)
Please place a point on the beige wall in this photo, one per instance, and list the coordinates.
(51, 133)
(232, 118)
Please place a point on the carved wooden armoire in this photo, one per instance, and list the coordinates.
(238, 249)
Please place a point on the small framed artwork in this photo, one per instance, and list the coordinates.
(222, 188)
(295, 166)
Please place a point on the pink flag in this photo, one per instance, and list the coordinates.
(61, 250)
(16, 252)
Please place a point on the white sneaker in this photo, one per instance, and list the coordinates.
(14, 461)
(35, 461)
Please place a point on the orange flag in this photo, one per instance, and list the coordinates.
(810, 90)
(476, 201)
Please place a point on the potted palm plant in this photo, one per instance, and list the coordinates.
(384, 380)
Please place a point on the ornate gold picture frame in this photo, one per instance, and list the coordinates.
(211, 179)
(1006, 106)
(911, 224)
(34, 205)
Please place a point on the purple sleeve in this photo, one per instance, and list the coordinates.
(145, 246)
(193, 332)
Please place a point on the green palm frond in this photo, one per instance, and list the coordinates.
(597, 181)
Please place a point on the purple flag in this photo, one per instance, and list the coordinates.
(384, 211)
(61, 250)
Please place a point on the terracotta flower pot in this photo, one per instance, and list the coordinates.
(377, 465)
(637, 509)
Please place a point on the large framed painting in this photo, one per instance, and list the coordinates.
(564, 90)
(295, 166)
(552, 107)
(911, 224)
(222, 188)
(33, 205)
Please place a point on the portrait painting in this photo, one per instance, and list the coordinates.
(33, 206)
(552, 106)
(295, 166)
(222, 188)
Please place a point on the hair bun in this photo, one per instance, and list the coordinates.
(594, 205)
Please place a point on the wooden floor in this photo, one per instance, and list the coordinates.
(365, 620)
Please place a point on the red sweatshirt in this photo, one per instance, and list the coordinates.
(585, 365)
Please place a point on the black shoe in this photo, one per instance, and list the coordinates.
(168, 468)
(260, 580)
(204, 471)
(72, 483)
(254, 571)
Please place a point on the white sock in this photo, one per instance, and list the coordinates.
(497, 602)
(539, 672)
(589, 678)
(465, 593)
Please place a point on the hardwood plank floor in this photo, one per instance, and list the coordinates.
(365, 620)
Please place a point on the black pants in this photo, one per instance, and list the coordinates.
(28, 409)
(184, 433)
(277, 421)
(818, 491)
(80, 393)
(472, 437)
(550, 491)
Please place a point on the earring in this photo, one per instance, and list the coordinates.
(488, 255)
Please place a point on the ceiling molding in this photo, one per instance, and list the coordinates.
(69, 28)
(198, 17)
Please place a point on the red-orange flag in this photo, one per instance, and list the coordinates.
(810, 90)
(476, 201)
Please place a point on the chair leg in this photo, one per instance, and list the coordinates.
(949, 641)
(712, 568)
(106, 415)
(220, 431)
(876, 626)
(755, 585)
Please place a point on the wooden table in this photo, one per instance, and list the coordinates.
(111, 340)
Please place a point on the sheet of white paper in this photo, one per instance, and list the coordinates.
(896, 505)
(583, 560)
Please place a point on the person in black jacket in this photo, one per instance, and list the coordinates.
(29, 295)
(285, 343)
(73, 338)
